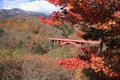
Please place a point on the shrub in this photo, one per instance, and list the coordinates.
(10, 70)
(39, 49)
(1, 32)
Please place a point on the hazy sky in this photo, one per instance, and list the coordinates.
(41, 6)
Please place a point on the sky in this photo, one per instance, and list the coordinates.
(42, 6)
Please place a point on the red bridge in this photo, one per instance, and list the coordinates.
(77, 43)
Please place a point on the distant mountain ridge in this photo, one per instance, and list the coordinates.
(18, 12)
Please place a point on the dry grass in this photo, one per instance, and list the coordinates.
(31, 67)
(37, 67)
(10, 69)
(78, 75)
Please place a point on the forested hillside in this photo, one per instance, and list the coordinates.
(80, 42)
(25, 49)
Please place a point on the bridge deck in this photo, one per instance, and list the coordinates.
(77, 43)
(72, 40)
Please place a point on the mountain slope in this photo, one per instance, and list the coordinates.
(18, 12)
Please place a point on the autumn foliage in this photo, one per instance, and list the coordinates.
(93, 11)
(104, 16)
(94, 62)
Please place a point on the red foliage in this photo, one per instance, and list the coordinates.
(72, 63)
(92, 11)
(117, 14)
(95, 62)
(49, 21)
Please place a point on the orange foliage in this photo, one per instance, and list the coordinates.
(100, 13)
(117, 14)
(93, 11)
(96, 63)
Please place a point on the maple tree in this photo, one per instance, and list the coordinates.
(88, 10)
(104, 16)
